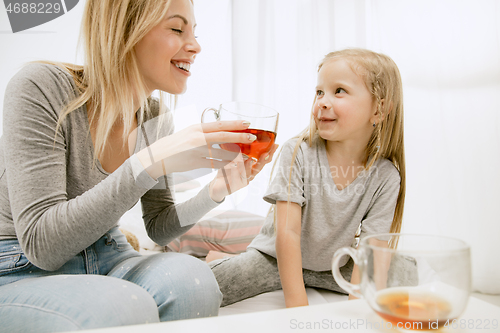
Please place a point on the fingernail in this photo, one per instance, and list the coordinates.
(252, 137)
(246, 123)
(266, 158)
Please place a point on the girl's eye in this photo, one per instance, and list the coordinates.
(178, 31)
(319, 93)
(340, 90)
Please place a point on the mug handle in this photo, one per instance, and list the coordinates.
(215, 111)
(353, 289)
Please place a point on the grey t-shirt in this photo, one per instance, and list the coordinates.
(330, 217)
(53, 198)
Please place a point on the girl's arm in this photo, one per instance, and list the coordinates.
(383, 260)
(355, 279)
(289, 253)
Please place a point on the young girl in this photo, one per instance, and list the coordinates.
(67, 176)
(346, 170)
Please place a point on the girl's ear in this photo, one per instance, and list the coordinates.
(379, 113)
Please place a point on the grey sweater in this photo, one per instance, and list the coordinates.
(53, 198)
(330, 217)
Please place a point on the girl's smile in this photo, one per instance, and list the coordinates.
(324, 121)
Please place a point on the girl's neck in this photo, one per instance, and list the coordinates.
(345, 153)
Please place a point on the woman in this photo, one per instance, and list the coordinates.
(67, 176)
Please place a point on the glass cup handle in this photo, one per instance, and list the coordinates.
(353, 289)
(215, 111)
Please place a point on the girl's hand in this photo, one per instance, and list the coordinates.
(238, 174)
(288, 252)
(192, 148)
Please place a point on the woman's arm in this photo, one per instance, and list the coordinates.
(289, 253)
(55, 211)
(166, 220)
(58, 213)
(189, 149)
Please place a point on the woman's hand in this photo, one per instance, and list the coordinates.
(192, 148)
(238, 174)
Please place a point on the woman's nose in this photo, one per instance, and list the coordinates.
(193, 46)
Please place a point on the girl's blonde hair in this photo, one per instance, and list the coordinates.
(382, 78)
(110, 79)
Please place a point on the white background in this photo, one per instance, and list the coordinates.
(448, 53)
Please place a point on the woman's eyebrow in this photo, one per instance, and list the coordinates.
(186, 22)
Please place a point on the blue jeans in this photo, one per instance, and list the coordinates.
(108, 284)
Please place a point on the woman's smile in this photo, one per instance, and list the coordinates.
(182, 66)
(165, 54)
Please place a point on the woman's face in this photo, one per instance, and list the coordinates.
(167, 52)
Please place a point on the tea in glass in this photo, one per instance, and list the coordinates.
(421, 282)
(412, 308)
(263, 124)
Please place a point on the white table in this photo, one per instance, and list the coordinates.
(348, 316)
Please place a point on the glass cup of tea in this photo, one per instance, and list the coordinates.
(422, 284)
(263, 124)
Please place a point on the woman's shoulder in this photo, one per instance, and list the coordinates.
(45, 77)
(41, 71)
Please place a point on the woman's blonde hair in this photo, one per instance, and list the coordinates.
(382, 78)
(110, 79)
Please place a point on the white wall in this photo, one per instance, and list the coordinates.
(54, 40)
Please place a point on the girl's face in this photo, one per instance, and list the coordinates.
(166, 53)
(344, 109)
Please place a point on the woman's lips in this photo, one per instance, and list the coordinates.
(182, 67)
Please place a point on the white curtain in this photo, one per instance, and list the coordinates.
(448, 53)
